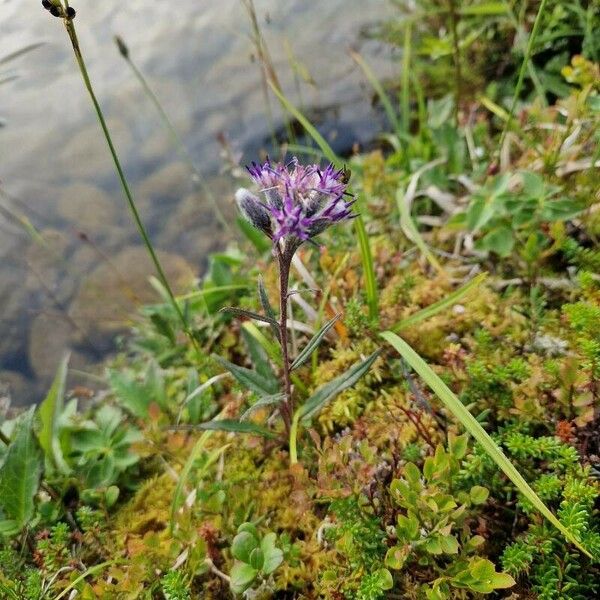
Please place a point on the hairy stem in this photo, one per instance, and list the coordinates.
(287, 407)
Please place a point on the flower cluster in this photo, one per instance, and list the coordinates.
(300, 201)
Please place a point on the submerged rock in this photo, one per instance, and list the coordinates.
(107, 299)
(19, 389)
(88, 208)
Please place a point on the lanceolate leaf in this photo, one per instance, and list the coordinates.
(250, 379)
(20, 473)
(240, 312)
(264, 401)
(326, 392)
(49, 412)
(471, 424)
(264, 300)
(236, 427)
(313, 343)
(258, 355)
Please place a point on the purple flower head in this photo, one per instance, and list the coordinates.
(300, 201)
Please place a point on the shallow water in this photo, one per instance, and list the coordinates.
(74, 289)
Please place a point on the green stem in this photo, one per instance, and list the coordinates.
(173, 134)
(405, 94)
(294, 438)
(528, 52)
(457, 68)
(134, 211)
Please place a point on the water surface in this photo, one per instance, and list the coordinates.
(74, 288)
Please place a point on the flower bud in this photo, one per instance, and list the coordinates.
(253, 211)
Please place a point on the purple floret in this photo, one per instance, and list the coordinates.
(300, 201)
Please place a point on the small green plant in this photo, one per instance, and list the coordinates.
(101, 447)
(360, 542)
(256, 557)
(433, 526)
(508, 213)
(174, 586)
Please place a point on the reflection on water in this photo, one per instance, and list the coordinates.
(73, 288)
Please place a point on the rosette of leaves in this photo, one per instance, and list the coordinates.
(432, 527)
(255, 557)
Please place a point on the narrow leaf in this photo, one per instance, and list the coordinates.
(236, 427)
(471, 424)
(313, 343)
(310, 128)
(20, 472)
(49, 413)
(240, 312)
(366, 258)
(258, 355)
(264, 300)
(363, 239)
(326, 392)
(196, 452)
(379, 90)
(251, 380)
(440, 305)
(411, 231)
(264, 401)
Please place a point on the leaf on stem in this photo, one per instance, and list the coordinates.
(240, 312)
(326, 392)
(266, 304)
(235, 426)
(251, 380)
(313, 343)
(264, 401)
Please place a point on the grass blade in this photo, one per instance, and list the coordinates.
(471, 424)
(379, 90)
(234, 426)
(309, 127)
(412, 233)
(368, 267)
(524, 64)
(440, 305)
(199, 446)
(361, 232)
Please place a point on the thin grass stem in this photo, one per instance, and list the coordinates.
(70, 27)
(172, 131)
(526, 58)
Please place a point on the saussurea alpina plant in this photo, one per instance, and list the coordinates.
(294, 204)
